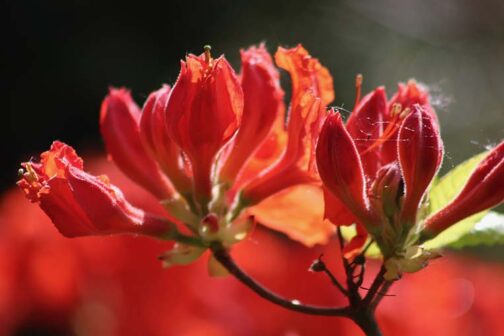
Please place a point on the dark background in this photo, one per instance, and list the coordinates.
(59, 57)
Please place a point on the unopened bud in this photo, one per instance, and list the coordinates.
(388, 190)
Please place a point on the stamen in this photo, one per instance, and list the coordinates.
(208, 55)
(392, 127)
(396, 109)
(404, 113)
(358, 86)
(30, 174)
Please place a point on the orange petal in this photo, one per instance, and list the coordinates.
(298, 212)
(306, 72)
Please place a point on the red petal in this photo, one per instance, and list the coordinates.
(306, 74)
(483, 190)
(119, 124)
(292, 168)
(160, 145)
(80, 204)
(365, 125)
(203, 112)
(66, 214)
(262, 106)
(336, 211)
(311, 91)
(340, 167)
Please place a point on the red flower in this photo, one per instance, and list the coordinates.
(80, 204)
(311, 92)
(120, 128)
(483, 190)
(352, 160)
(192, 148)
(159, 144)
(203, 112)
(263, 106)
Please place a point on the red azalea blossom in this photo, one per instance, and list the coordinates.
(356, 182)
(81, 204)
(220, 152)
(115, 286)
(213, 143)
(377, 169)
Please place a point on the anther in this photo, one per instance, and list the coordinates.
(30, 175)
(396, 109)
(358, 88)
(208, 55)
(404, 113)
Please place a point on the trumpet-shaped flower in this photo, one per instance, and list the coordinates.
(80, 204)
(212, 148)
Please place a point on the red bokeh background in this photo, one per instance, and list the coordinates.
(116, 286)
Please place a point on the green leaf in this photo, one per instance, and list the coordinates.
(488, 231)
(443, 191)
(446, 188)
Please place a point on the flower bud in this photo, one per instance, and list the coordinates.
(420, 152)
(387, 191)
(483, 190)
(340, 168)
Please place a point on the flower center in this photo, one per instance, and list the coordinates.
(397, 114)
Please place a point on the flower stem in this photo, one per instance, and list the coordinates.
(225, 259)
(360, 310)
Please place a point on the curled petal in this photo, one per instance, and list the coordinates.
(269, 152)
(420, 151)
(311, 92)
(80, 204)
(119, 125)
(203, 113)
(483, 190)
(411, 94)
(262, 106)
(340, 167)
(160, 146)
(306, 73)
(293, 166)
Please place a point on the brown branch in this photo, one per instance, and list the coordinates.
(221, 254)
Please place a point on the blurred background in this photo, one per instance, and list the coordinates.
(59, 57)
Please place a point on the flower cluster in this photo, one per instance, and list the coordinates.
(210, 148)
(377, 170)
(220, 152)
